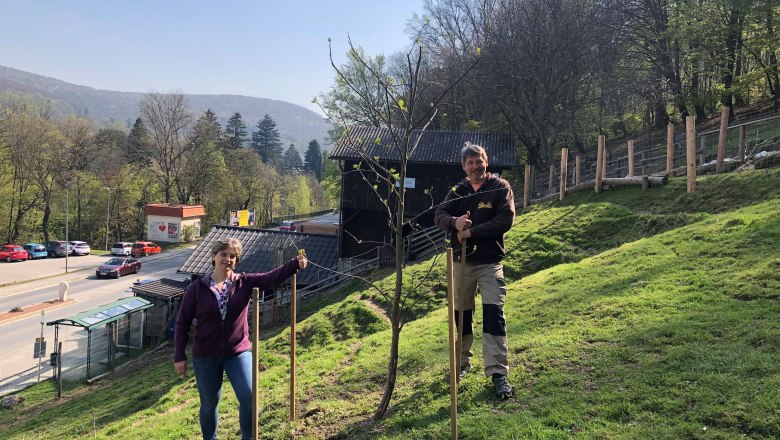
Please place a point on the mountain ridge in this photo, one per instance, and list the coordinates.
(296, 124)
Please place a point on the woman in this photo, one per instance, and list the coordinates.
(218, 304)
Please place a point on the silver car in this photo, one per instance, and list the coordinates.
(121, 248)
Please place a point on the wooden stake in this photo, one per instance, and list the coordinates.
(454, 370)
(631, 158)
(600, 162)
(669, 146)
(577, 169)
(564, 171)
(527, 186)
(690, 142)
(461, 301)
(722, 137)
(255, 357)
(293, 316)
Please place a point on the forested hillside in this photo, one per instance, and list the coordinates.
(296, 124)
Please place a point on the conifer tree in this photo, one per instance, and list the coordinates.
(313, 159)
(235, 132)
(266, 141)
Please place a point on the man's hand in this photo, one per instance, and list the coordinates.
(462, 235)
(462, 223)
(302, 261)
(180, 367)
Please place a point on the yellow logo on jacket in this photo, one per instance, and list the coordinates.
(483, 205)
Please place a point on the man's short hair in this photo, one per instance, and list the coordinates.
(471, 150)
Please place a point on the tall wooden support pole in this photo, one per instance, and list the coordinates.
(600, 162)
(461, 301)
(527, 186)
(742, 145)
(631, 158)
(454, 370)
(564, 171)
(255, 357)
(577, 169)
(669, 146)
(293, 319)
(690, 142)
(722, 137)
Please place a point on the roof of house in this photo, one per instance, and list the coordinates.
(260, 251)
(435, 147)
(174, 210)
(163, 288)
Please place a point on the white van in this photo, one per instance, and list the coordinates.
(121, 248)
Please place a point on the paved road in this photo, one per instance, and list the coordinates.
(17, 368)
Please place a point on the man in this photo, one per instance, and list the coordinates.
(478, 211)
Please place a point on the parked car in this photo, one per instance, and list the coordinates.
(116, 267)
(80, 248)
(12, 252)
(121, 248)
(35, 250)
(287, 226)
(58, 248)
(145, 248)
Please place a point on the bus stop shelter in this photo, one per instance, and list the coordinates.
(106, 333)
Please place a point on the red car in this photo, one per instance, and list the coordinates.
(12, 252)
(287, 226)
(144, 248)
(116, 267)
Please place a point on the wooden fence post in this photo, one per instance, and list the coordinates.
(527, 186)
(669, 146)
(454, 367)
(600, 162)
(577, 169)
(564, 171)
(742, 145)
(722, 138)
(631, 158)
(255, 357)
(293, 316)
(690, 142)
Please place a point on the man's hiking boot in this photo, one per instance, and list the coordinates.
(464, 370)
(503, 388)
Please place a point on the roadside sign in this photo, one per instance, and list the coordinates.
(40, 348)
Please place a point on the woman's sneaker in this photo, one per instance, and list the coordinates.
(503, 388)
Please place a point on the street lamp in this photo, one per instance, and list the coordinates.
(108, 212)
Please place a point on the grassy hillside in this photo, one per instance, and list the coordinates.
(655, 316)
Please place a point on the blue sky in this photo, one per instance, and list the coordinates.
(267, 49)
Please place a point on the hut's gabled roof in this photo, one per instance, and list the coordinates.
(434, 147)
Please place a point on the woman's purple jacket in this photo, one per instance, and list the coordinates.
(214, 337)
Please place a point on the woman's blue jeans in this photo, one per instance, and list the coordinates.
(208, 375)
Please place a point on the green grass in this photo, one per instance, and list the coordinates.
(632, 315)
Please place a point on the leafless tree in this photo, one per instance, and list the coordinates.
(168, 117)
(402, 111)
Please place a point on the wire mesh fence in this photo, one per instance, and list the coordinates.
(744, 140)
